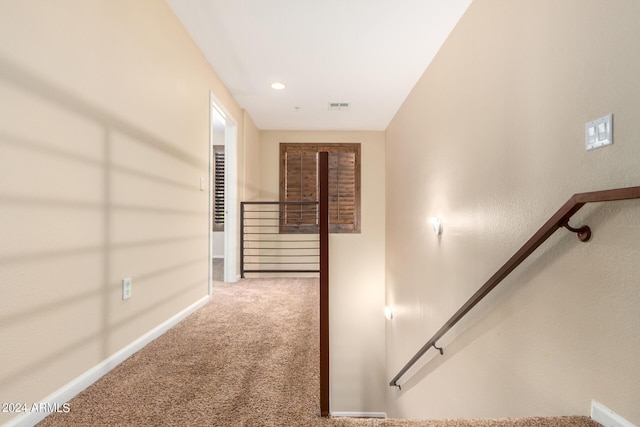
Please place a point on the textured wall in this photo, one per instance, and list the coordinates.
(104, 116)
(492, 139)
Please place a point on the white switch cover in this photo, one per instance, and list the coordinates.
(599, 133)
(126, 288)
(201, 183)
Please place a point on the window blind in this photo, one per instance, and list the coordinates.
(218, 188)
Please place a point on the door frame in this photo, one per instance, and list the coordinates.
(218, 112)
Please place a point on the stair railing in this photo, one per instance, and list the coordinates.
(267, 246)
(559, 220)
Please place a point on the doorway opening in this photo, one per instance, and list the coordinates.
(223, 223)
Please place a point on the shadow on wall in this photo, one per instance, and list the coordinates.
(87, 199)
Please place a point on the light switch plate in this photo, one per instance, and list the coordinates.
(599, 133)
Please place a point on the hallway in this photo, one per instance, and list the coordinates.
(248, 358)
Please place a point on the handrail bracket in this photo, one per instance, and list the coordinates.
(584, 232)
(439, 349)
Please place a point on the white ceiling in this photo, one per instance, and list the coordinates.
(368, 53)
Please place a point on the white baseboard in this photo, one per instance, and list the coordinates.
(359, 414)
(65, 393)
(607, 417)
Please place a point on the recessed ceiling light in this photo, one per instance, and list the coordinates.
(277, 86)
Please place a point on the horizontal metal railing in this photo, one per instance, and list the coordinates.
(279, 237)
(559, 220)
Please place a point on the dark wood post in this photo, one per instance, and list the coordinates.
(324, 282)
(242, 240)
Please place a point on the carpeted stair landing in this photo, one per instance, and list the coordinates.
(248, 358)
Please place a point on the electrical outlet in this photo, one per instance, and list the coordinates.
(126, 288)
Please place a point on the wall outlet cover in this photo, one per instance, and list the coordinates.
(126, 288)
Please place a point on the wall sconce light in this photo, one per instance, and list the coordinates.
(388, 312)
(436, 223)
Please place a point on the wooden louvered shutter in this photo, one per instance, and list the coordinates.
(218, 187)
(344, 188)
(299, 182)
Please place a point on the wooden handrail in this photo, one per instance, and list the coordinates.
(558, 220)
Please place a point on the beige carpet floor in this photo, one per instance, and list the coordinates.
(248, 358)
(217, 269)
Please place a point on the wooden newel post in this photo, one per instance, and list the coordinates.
(323, 158)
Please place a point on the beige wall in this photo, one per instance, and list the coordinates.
(104, 135)
(250, 155)
(492, 139)
(356, 274)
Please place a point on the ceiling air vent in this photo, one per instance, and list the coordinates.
(338, 106)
